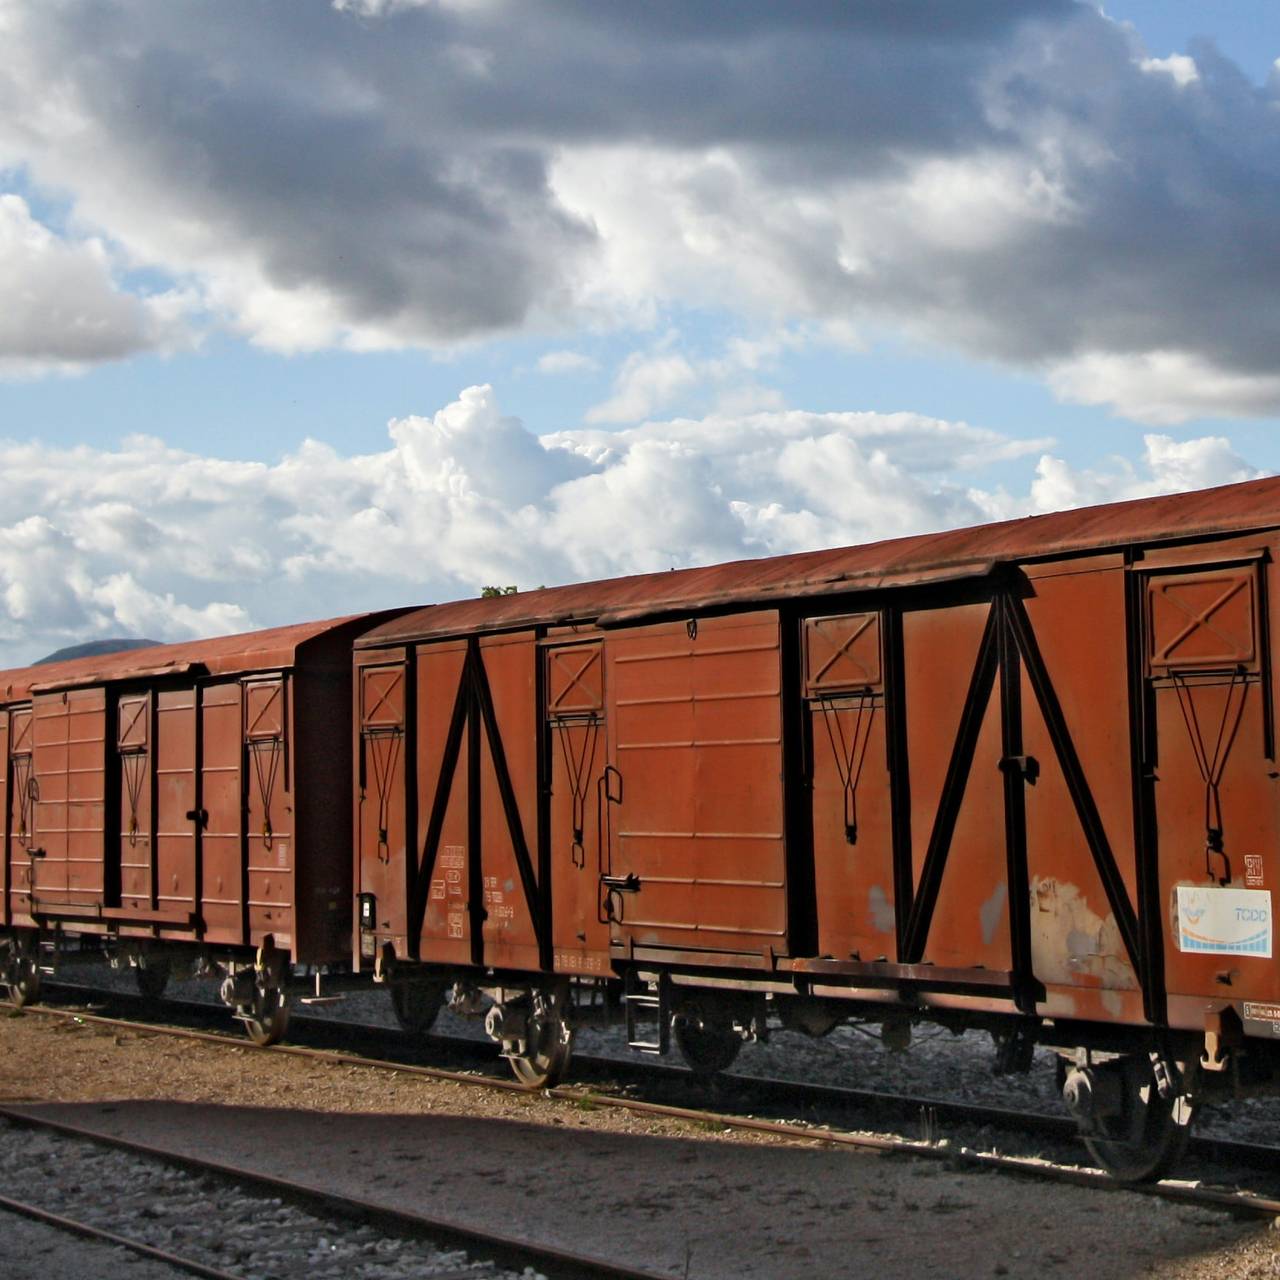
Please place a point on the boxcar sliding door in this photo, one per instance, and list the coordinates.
(269, 810)
(849, 778)
(69, 767)
(1211, 761)
(135, 760)
(219, 843)
(696, 805)
(21, 802)
(575, 751)
(177, 817)
(384, 853)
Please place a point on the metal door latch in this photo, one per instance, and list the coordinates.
(630, 883)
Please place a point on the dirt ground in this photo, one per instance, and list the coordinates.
(674, 1197)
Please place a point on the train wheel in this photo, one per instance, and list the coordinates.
(1144, 1136)
(706, 1038)
(269, 1018)
(22, 975)
(153, 977)
(417, 1004)
(548, 1042)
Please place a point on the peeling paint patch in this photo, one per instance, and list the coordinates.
(1113, 1003)
(992, 912)
(1071, 944)
(883, 919)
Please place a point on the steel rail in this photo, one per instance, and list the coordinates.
(73, 1226)
(981, 1113)
(1244, 1203)
(1224, 1151)
(505, 1251)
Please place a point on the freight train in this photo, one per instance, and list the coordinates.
(1020, 778)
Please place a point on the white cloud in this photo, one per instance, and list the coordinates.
(557, 362)
(665, 378)
(61, 306)
(1165, 388)
(1177, 66)
(146, 539)
(644, 384)
(1168, 466)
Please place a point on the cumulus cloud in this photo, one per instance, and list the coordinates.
(1020, 179)
(645, 383)
(62, 308)
(147, 539)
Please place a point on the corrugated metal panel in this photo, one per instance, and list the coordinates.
(897, 562)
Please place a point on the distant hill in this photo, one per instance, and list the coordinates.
(96, 648)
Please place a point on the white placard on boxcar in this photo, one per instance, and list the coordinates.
(1224, 922)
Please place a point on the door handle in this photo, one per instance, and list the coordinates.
(611, 772)
(630, 883)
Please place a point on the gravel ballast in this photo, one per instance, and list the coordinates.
(653, 1192)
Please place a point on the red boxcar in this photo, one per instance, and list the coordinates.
(1020, 776)
(179, 795)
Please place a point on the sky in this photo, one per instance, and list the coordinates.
(333, 305)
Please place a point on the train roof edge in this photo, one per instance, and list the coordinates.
(917, 558)
(272, 647)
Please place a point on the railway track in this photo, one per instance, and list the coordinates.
(931, 1145)
(88, 1231)
(489, 1255)
(829, 1104)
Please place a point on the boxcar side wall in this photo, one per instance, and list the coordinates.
(1046, 789)
(164, 809)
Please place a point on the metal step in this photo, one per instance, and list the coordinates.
(643, 1003)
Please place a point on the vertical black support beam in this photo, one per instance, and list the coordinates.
(898, 764)
(1015, 811)
(475, 862)
(1142, 760)
(797, 793)
(1264, 662)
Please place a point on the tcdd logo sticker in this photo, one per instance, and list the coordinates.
(1224, 922)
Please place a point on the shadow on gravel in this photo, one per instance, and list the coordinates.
(709, 1206)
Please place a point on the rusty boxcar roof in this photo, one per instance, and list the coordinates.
(1254, 504)
(221, 655)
